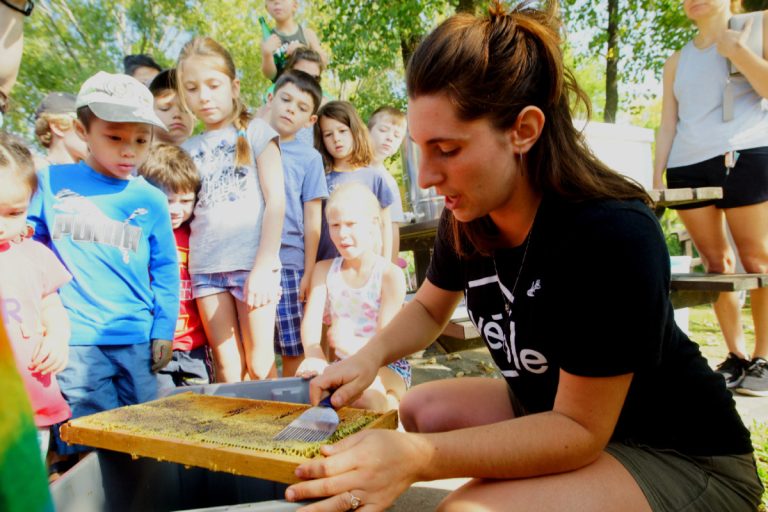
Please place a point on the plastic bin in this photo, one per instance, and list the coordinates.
(681, 265)
(111, 481)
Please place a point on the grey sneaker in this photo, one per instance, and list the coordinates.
(732, 369)
(755, 382)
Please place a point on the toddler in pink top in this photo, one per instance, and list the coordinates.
(30, 275)
(361, 290)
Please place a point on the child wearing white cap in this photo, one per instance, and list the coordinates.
(112, 231)
(55, 129)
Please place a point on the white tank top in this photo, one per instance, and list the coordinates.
(701, 132)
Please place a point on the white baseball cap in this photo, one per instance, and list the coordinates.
(118, 98)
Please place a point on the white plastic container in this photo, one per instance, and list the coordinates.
(681, 265)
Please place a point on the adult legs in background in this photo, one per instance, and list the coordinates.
(219, 316)
(257, 329)
(749, 227)
(708, 231)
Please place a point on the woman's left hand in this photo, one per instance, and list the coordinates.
(262, 287)
(730, 41)
(374, 466)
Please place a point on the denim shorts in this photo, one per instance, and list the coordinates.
(233, 282)
(187, 368)
(104, 377)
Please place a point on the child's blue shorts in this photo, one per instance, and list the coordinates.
(233, 282)
(289, 313)
(103, 377)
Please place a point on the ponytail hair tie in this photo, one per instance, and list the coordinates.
(241, 133)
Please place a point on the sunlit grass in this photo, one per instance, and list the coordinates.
(705, 331)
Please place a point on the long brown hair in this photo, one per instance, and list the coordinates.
(208, 48)
(508, 61)
(345, 113)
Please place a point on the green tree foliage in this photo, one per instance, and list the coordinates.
(642, 34)
(66, 41)
(369, 43)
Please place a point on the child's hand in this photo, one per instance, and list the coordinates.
(162, 352)
(262, 287)
(342, 338)
(303, 287)
(345, 346)
(271, 44)
(49, 357)
(311, 367)
(292, 47)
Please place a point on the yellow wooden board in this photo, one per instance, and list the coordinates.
(214, 432)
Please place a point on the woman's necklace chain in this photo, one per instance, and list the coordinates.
(508, 301)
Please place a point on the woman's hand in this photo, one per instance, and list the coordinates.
(375, 466)
(349, 378)
(262, 287)
(731, 41)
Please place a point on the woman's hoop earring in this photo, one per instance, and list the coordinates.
(522, 166)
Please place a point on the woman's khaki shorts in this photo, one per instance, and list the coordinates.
(672, 481)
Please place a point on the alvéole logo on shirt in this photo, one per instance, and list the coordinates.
(497, 338)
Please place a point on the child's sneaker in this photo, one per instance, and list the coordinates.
(733, 370)
(755, 382)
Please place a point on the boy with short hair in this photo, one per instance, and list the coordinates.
(55, 129)
(141, 66)
(387, 126)
(168, 107)
(287, 36)
(173, 171)
(293, 106)
(113, 233)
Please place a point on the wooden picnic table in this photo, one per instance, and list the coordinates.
(676, 196)
(419, 237)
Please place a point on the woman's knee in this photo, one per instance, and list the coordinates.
(718, 262)
(418, 412)
(755, 262)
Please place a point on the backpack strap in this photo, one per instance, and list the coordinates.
(754, 43)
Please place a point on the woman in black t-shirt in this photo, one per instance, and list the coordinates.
(605, 404)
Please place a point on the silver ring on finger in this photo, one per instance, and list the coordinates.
(354, 501)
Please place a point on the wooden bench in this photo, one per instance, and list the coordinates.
(702, 288)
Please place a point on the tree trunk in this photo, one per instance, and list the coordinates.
(754, 5)
(612, 64)
(467, 6)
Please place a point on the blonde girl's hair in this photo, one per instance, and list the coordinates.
(43, 124)
(345, 113)
(206, 47)
(361, 198)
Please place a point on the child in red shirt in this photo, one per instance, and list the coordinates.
(171, 169)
